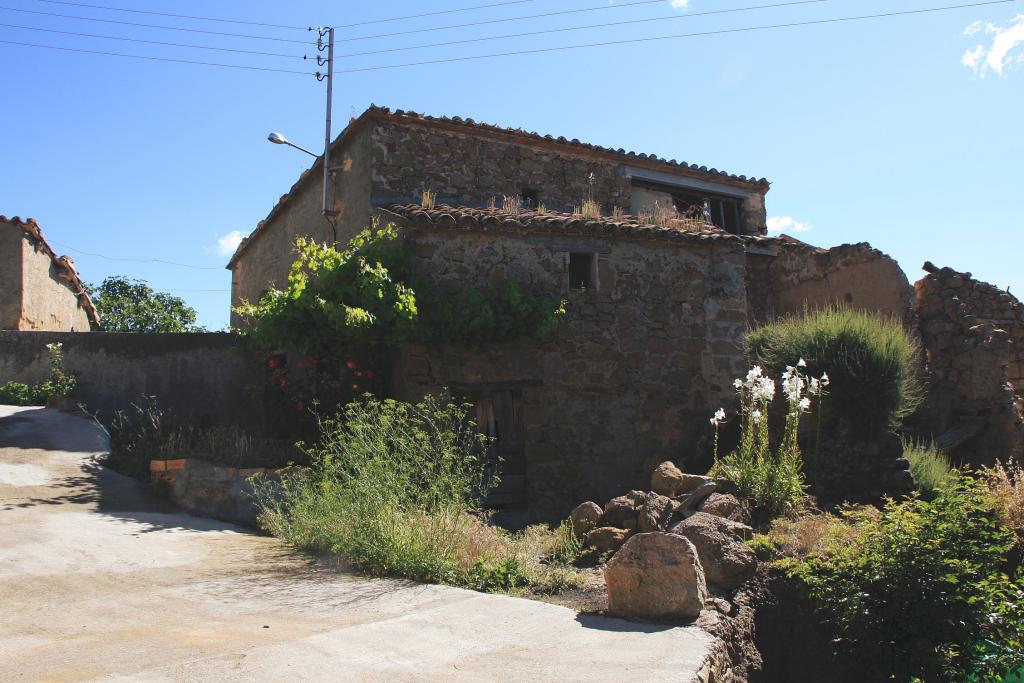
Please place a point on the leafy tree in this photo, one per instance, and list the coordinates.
(127, 305)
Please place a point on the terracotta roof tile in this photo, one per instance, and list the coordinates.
(65, 266)
(445, 216)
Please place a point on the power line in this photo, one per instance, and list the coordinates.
(501, 21)
(430, 14)
(159, 59)
(676, 36)
(176, 16)
(580, 28)
(153, 42)
(159, 26)
(299, 28)
(136, 260)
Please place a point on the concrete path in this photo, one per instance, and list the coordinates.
(100, 581)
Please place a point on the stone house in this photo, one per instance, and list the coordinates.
(38, 289)
(654, 336)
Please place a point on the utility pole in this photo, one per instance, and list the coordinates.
(328, 32)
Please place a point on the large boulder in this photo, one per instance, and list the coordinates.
(655, 513)
(724, 505)
(690, 501)
(621, 511)
(656, 576)
(726, 559)
(669, 480)
(607, 539)
(585, 517)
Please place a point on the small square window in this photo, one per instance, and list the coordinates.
(582, 271)
(530, 198)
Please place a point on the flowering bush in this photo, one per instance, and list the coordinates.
(771, 479)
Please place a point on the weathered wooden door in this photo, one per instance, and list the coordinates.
(499, 414)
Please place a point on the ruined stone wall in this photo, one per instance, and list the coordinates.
(973, 335)
(785, 278)
(265, 261)
(49, 300)
(629, 378)
(470, 170)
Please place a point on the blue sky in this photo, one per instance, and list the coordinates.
(905, 132)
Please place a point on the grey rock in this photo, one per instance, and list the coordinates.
(656, 576)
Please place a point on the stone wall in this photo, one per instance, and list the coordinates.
(786, 276)
(628, 379)
(203, 378)
(973, 335)
(468, 170)
(36, 291)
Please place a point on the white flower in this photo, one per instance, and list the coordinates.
(801, 363)
(815, 387)
(53, 346)
(824, 379)
(804, 405)
(754, 374)
(763, 389)
(793, 387)
(719, 417)
(738, 384)
(756, 416)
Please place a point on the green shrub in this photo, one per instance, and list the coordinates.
(929, 466)
(871, 361)
(916, 590)
(137, 435)
(16, 394)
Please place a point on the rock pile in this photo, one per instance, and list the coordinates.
(671, 542)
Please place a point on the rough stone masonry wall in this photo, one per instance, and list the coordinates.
(629, 379)
(203, 378)
(973, 335)
(470, 170)
(784, 278)
(11, 238)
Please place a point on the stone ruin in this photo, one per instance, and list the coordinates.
(973, 337)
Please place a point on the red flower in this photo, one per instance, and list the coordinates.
(283, 382)
(351, 364)
(359, 373)
(273, 363)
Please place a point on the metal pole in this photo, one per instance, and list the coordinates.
(327, 136)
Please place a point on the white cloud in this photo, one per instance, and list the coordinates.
(680, 4)
(787, 224)
(227, 244)
(1005, 51)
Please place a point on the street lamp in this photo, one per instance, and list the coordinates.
(279, 139)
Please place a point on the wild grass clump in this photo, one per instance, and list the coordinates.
(871, 359)
(1006, 485)
(428, 200)
(588, 209)
(915, 590)
(929, 466)
(397, 490)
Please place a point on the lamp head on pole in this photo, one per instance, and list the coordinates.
(277, 139)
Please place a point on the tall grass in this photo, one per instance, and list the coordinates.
(396, 489)
(871, 360)
(929, 466)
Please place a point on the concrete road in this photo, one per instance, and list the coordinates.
(100, 581)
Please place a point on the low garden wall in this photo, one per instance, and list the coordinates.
(202, 378)
(208, 489)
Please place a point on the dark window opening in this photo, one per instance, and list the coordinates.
(582, 271)
(530, 198)
(723, 212)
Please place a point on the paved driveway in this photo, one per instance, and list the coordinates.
(98, 580)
